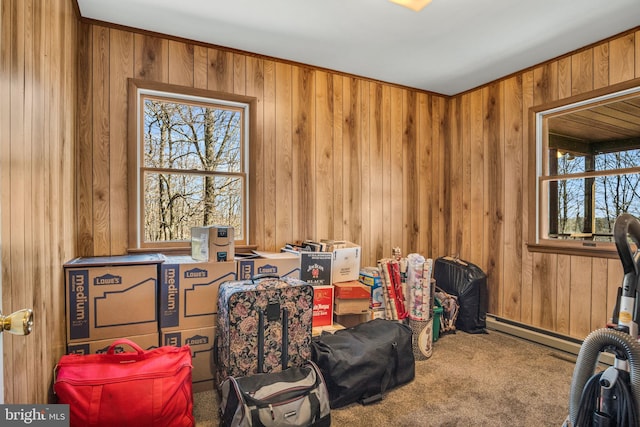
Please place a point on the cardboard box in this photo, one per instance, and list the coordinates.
(345, 265)
(370, 276)
(189, 291)
(322, 305)
(213, 243)
(351, 306)
(200, 340)
(111, 297)
(146, 342)
(352, 290)
(329, 328)
(351, 320)
(278, 263)
(315, 267)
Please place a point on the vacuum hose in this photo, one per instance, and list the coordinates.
(597, 341)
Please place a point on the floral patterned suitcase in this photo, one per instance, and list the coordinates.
(264, 325)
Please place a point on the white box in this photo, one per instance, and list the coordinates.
(345, 265)
(213, 243)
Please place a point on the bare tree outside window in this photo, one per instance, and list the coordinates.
(584, 169)
(192, 167)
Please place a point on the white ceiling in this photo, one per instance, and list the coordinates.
(448, 47)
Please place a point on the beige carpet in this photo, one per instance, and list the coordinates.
(491, 379)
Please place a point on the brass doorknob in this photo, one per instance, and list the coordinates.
(17, 323)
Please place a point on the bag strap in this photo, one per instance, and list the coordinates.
(391, 368)
(116, 343)
(260, 341)
(285, 338)
(94, 405)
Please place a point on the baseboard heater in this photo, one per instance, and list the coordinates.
(541, 336)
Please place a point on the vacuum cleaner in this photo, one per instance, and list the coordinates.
(611, 398)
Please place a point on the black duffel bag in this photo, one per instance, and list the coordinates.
(361, 363)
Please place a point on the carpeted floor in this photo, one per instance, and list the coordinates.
(491, 379)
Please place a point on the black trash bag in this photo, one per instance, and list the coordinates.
(361, 363)
(469, 283)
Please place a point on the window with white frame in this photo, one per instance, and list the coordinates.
(587, 169)
(191, 164)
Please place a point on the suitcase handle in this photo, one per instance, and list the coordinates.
(136, 347)
(257, 277)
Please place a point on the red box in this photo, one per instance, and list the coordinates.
(322, 305)
(352, 290)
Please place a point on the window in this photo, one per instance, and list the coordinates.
(190, 167)
(587, 169)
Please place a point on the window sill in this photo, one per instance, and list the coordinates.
(578, 249)
(239, 249)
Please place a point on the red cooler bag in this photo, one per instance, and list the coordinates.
(141, 388)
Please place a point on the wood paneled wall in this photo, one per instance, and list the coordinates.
(344, 157)
(334, 156)
(489, 213)
(37, 179)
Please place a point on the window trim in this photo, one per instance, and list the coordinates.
(538, 137)
(136, 89)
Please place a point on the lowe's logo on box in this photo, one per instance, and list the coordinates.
(197, 340)
(108, 279)
(268, 269)
(196, 273)
(53, 415)
(78, 303)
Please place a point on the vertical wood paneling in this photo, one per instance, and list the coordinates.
(101, 164)
(395, 163)
(200, 67)
(151, 58)
(601, 66)
(580, 301)
(424, 172)
(527, 257)
(543, 304)
(375, 166)
(37, 139)
(512, 198)
(181, 63)
(453, 177)
(582, 72)
(564, 77)
(622, 59)
(464, 133)
(304, 214)
(220, 70)
(563, 295)
(339, 157)
(410, 175)
(493, 194)
(84, 181)
(121, 68)
(476, 130)
(261, 147)
(339, 84)
(599, 289)
(283, 156)
(438, 223)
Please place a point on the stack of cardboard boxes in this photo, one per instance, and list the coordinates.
(152, 300)
(156, 300)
